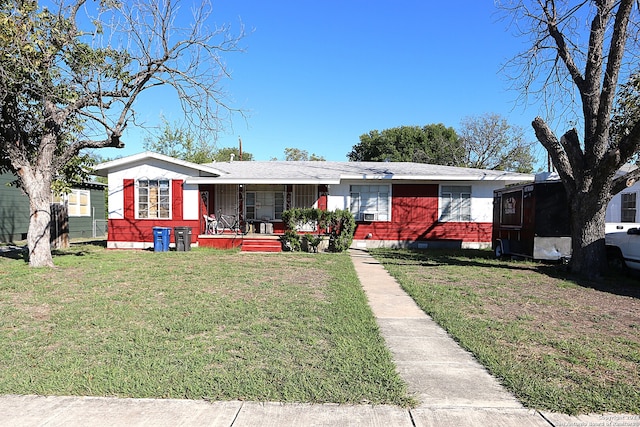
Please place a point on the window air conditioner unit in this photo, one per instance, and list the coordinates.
(369, 216)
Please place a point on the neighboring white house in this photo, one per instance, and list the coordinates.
(622, 211)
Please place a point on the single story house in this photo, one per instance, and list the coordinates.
(85, 204)
(394, 203)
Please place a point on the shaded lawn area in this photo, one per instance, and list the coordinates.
(202, 324)
(557, 344)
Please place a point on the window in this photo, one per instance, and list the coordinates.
(456, 203)
(154, 198)
(264, 202)
(371, 202)
(628, 208)
(78, 202)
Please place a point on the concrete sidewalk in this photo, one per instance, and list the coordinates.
(454, 390)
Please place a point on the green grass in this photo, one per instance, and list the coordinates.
(557, 344)
(202, 324)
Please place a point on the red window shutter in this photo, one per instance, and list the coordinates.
(177, 199)
(129, 199)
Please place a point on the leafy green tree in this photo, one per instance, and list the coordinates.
(433, 143)
(70, 78)
(224, 154)
(490, 142)
(577, 56)
(625, 118)
(180, 144)
(298, 155)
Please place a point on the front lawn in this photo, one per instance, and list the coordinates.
(202, 324)
(558, 345)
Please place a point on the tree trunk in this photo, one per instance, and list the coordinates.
(588, 257)
(38, 237)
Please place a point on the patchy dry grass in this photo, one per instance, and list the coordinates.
(558, 344)
(200, 324)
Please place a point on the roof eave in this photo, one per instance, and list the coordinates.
(246, 181)
(102, 169)
(505, 177)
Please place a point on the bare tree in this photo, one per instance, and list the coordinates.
(70, 79)
(491, 143)
(578, 53)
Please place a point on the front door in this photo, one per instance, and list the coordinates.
(226, 199)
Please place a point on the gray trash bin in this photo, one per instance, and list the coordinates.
(183, 238)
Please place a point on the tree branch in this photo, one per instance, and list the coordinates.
(610, 78)
(550, 12)
(556, 150)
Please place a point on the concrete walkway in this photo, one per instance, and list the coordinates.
(454, 390)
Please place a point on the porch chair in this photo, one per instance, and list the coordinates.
(210, 224)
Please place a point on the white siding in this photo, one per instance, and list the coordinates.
(338, 196)
(482, 200)
(614, 211)
(155, 169)
(191, 202)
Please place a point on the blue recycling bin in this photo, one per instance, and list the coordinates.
(161, 237)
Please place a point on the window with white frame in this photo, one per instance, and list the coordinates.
(455, 201)
(304, 196)
(264, 202)
(78, 202)
(371, 202)
(154, 198)
(628, 207)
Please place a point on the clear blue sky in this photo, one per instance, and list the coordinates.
(318, 74)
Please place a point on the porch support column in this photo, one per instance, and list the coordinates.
(241, 202)
(323, 193)
(288, 197)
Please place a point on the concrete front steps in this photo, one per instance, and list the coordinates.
(261, 244)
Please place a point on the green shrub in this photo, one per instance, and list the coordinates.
(343, 226)
(339, 224)
(290, 241)
(312, 242)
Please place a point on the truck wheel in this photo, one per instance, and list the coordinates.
(615, 259)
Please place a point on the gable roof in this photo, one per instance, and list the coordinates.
(312, 172)
(102, 169)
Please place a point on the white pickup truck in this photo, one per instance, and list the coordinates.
(623, 248)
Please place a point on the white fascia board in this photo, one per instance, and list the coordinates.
(120, 163)
(371, 177)
(430, 178)
(436, 178)
(206, 180)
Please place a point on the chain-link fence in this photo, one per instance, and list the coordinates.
(100, 228)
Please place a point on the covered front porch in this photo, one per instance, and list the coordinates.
(255, 208)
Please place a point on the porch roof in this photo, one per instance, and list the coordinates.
(312, 172)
